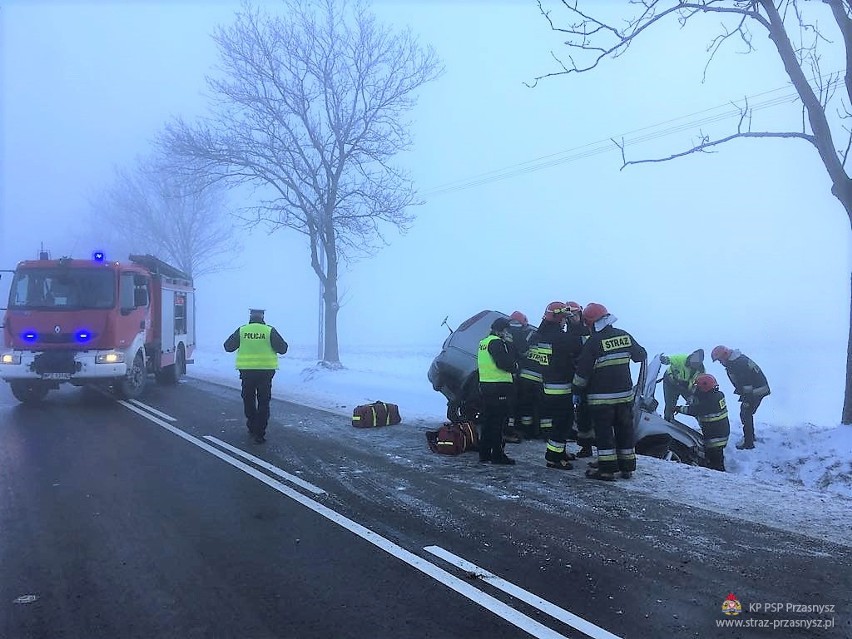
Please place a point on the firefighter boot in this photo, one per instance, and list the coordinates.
(748, 429)
(555, 456)
(748, 438)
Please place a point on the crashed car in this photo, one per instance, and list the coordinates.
(453, 373)
(655, 436)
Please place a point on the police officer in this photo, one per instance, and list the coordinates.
(496, 365)
(258, 346)
(603, 381)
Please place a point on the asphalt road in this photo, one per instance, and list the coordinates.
(162, 519)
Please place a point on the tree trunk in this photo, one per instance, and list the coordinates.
(844, 194)
(331, 355)
(846, 418)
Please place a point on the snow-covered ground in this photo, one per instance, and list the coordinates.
(798, 478)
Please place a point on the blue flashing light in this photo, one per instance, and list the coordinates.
(82, 336)
(29, 336)
(98, 256)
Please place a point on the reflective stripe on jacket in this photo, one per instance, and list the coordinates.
(255, 351)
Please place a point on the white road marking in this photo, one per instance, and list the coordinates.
(586, 627)
(150, 409)
(264, 464)
(495, 606)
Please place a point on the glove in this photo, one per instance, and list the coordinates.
(664, 360)
(577, 399)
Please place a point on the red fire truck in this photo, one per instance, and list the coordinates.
(96, 322)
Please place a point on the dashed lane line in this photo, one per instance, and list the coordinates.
(578, 623)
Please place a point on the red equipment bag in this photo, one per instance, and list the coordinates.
(452, 438)
(375, 414)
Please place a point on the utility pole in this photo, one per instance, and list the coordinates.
(321, 321)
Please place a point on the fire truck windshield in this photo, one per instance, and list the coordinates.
(63, 288)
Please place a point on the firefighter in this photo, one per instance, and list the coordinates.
(679, 379)
(497, 366)
(258, 345)
(585, 432)
(575, 325)
(603, 381)
(708, 407)
(555, 353)
(749, 383)
(522, 420)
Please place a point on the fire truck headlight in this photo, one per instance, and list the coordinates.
(10, 358)
(110, 358)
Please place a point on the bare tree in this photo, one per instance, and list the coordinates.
(793, 28)
(308, 107)
(177, 217)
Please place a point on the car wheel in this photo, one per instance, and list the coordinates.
(679, 453)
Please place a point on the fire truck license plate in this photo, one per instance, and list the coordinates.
(56, 375)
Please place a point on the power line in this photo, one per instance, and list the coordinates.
(648, 133)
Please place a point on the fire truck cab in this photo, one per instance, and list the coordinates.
(96, 322)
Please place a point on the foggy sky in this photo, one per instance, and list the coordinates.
(744, 246)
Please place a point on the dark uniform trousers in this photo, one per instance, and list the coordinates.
(585, 428)
(672, 391)
(715, 439)
(614, 435)
(257, 393)
(747, 410)
(493, 418)
(525, 418)
(556, 415)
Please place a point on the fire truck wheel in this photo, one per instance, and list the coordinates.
(171, 374)
(131, 385)
(29, 392)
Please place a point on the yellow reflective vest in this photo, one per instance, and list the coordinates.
(489, 372)
(255, 351)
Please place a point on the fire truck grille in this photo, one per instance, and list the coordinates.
(55, 362)
(56, 338)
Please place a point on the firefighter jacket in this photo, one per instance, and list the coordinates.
(553, 356)
(683, 370)
(746, 376)
(518, 339)
(712, 414)
(256, 344)
(579, 329)
(603, 369)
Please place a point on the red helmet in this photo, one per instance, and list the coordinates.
(519, 317)
(720, 354)
(706, 382)
(573, 307)
(555, 312)
(593, 312)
